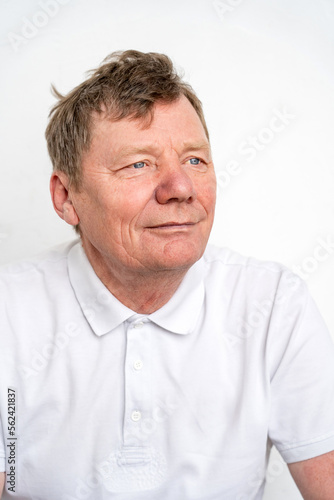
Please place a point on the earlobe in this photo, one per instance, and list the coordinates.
(61, 199)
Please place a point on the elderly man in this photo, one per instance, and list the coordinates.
(136, 363)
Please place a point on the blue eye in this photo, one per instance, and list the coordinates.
(139, 164)
(195, 161)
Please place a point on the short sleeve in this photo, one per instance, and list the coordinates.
(302, 387)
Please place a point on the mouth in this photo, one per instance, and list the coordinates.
(173, 225)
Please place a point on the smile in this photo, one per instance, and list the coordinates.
(173, 225)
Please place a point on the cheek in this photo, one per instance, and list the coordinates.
(207, 195)
(126, 202)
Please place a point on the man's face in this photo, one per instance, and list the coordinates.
(148, 194)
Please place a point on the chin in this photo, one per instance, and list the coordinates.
(178, 256)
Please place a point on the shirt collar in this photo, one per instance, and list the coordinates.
(104, 312)
(181, 312)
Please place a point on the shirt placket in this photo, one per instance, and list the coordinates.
(138, 397)
(137, 465)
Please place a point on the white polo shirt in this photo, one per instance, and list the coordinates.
(98, 402)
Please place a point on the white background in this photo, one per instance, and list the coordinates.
(247, 60)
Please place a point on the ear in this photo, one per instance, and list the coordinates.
(61, 199)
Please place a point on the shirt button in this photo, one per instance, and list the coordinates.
(136, 415)
(140, 324)
(138, 365)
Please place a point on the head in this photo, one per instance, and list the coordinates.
(132, 164)
(127, 85)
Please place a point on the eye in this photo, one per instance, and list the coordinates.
(194, 161)
(198, 164)
(139, 164)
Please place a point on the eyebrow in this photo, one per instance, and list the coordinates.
(129, 151)
(187, 146)
(151, 149)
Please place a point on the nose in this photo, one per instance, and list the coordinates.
(175, 185)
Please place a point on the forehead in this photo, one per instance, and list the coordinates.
(173, 123)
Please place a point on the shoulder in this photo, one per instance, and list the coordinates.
(230, 262)
(28, 273)
(249, 280)
(231, 259)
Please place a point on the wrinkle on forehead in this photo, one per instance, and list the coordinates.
(145, 121)
(166, 130)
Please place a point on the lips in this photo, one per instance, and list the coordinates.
(173, 224)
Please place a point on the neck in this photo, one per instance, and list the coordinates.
(142, 291)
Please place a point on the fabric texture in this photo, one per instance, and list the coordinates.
(181, 404)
